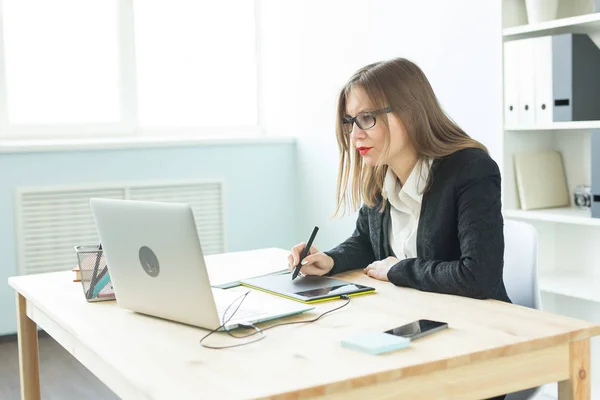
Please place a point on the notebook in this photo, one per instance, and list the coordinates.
(309, 289)
(375, 342)
(541, 181)
(226, 270)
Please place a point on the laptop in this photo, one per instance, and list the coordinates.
(157, 267)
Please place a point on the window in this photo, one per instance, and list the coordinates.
(195, 62)
(61, 67)
(125, 66)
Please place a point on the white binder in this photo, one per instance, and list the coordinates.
(511, 83)
(526, 114)
(543, 79)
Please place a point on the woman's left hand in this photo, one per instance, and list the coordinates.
(379, 269)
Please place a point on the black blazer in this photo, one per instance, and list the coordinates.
(460, 239)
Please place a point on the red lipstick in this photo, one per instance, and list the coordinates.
(363, 150)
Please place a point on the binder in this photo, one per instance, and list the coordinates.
(576, 82)
(562, 58)
(526, 82)
(511, 83)
(557, 80)
(543, 80)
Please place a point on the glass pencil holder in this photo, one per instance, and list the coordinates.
(93, 269)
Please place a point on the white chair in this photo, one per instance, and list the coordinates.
(521, 275)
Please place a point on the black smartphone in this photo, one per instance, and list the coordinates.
(418, 329)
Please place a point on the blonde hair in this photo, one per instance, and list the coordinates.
(401, 85)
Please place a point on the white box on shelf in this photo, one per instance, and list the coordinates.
(541, 10)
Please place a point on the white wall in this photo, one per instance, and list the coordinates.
(310, 48)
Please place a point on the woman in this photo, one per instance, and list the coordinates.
(431, 215)
(431, 218)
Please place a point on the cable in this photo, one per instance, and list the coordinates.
(256, 329)
(243, 297)
(344, 296)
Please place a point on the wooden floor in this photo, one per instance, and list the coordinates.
(62, 376)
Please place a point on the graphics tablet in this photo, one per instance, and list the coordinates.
(309, 289)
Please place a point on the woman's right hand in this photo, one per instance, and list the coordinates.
(315, 263)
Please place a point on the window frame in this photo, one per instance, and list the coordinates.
(128, 126)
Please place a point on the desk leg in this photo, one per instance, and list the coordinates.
(28, 353)
(578, 387)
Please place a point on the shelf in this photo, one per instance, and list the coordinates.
(588, 23)
(567, 215)
(556, 126)
(572, 284)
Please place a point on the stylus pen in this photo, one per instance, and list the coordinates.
(305, 252)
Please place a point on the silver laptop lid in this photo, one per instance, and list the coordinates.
(155, 260)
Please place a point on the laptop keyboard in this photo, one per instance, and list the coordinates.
(254, 308)
(244, 313)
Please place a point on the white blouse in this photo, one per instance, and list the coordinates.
(405, 201)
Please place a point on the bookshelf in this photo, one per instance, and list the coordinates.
(568, 237)
(571, 284)
(556, 126)
(571, 139)
(563, 215)
(588, 23)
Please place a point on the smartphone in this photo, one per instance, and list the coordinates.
(418, 329)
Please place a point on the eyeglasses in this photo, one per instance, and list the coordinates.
(364, 120)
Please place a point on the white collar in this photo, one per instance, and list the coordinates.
(414, 186)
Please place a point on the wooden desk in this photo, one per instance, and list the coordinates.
(491, 348)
